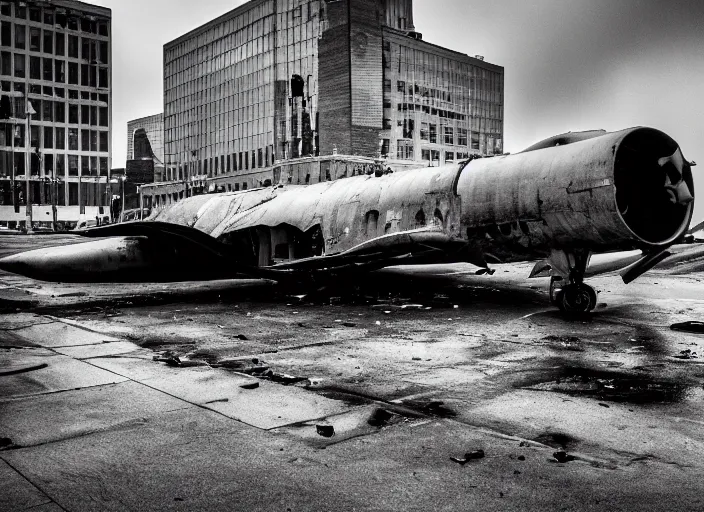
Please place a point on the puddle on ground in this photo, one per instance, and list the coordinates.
(619, 387)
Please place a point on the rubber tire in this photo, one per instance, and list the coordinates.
(576, 299)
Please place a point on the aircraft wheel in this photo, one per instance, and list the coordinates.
(576, 299)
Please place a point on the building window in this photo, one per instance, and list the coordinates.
(425, 155)
(73, 165)
(48, 137)
(47, 110)
(404, 151)
(60, 165)
(401, 86)
(387, 85)
(449, 135)
(48, 69)
(462, 137)
(85, 165)
(73, 114)
(85, 140)
(60, 138)
(387, 124)
(60, 44)
(424, 132)
(73, 46)
(73, 73)
(48, 41)
(59, 67)
(35, 14)
(6, 33)
(73, 140)
(6, 66)
(449, 156)
(35, 39)
(35, 68)
(433, 133)
(59, 112)
(19, 66)
(435, 156)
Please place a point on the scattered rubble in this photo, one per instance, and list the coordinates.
(563, 457)
(686, 354)
(474, 455)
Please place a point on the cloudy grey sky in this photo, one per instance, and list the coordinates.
(569, 64)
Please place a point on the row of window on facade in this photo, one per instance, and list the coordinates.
(52, 70)
(55, 17)
(57, 92)
(48, 137)
(55, 43)
(448, 135)
(405, 150)
(47, 163)
(55, 112)
(92, 194)
(242, 161)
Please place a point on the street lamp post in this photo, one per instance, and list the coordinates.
(28, 164)
(122, 210)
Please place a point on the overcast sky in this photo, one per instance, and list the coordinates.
(569, 64)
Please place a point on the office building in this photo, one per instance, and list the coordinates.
(279, 80)
(55, 69)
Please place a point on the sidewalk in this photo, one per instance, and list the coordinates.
(91, 422)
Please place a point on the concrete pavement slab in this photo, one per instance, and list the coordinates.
(58, 334)
(60, 374)
(268, 406)
(617, 430)
(195, 460)
(104, 349)
(274, 405)
(48, 418)
(16, 493)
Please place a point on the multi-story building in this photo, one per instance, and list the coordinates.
(275, 80)
(145, 142)
(55, 111)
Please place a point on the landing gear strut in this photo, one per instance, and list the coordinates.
(574, 297)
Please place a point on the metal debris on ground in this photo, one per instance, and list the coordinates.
(693, 326)
(250, 385)
(380, 418)
(563, 457)
(687, 354)
(474, 455)
(325, 430)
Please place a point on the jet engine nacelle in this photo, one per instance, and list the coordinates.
(626, 189)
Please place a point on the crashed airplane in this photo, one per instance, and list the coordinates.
(557, 202)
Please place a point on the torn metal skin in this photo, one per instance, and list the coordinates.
(559, 201)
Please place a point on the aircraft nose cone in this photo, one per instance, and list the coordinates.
(17, 264)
